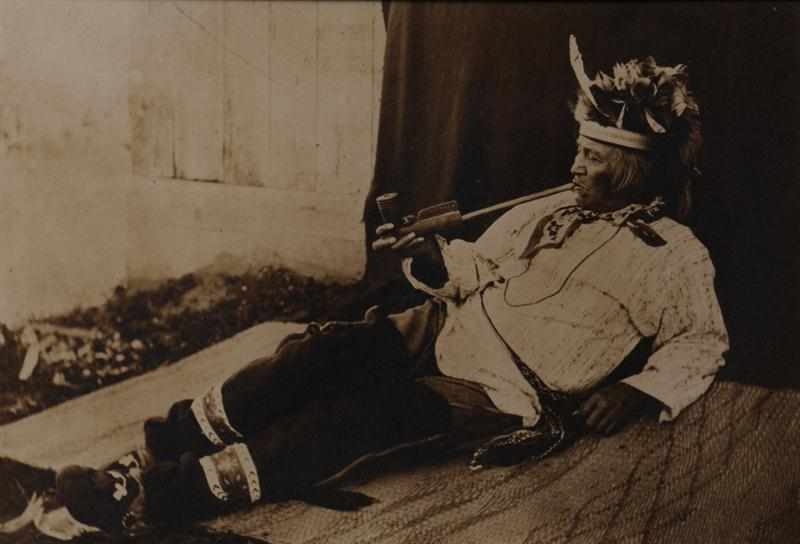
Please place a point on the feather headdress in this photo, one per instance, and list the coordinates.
(641, 106)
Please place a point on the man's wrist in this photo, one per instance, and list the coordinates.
(643, 399)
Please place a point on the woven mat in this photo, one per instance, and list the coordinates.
(727, 471)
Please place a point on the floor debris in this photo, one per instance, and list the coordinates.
(47, 361)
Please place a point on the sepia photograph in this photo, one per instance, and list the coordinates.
(399, 272)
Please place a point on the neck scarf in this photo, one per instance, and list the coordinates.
(554, 229)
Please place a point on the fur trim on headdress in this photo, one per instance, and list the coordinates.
(649, 100)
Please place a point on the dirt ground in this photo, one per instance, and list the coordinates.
(48, 361)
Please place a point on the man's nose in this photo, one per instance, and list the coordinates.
(577, 166)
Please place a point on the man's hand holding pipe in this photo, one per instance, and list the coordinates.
(428, 264)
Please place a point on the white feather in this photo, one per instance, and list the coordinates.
(576, 60)
(59, 524)
(621, 117)
(655, 125)
(35, 508)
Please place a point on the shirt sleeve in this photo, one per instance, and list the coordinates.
(462, 277)
(471, 265)
(691, 338)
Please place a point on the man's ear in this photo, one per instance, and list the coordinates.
(609, 189)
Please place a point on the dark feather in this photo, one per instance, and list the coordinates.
(646, 233)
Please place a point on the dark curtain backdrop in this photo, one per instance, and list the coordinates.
(475, 108)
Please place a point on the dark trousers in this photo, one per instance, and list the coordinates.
(325, 398)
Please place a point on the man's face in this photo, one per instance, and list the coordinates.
(591, 176)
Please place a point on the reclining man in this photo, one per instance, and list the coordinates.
(521, 330)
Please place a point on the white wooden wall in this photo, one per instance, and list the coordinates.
(272, 94)
(109, 109)
(279, 96)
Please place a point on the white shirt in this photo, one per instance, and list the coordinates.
(573, 313)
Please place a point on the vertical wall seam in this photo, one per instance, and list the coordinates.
(269, 182)
(372, 89)
(226, 128)
(316, 95)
